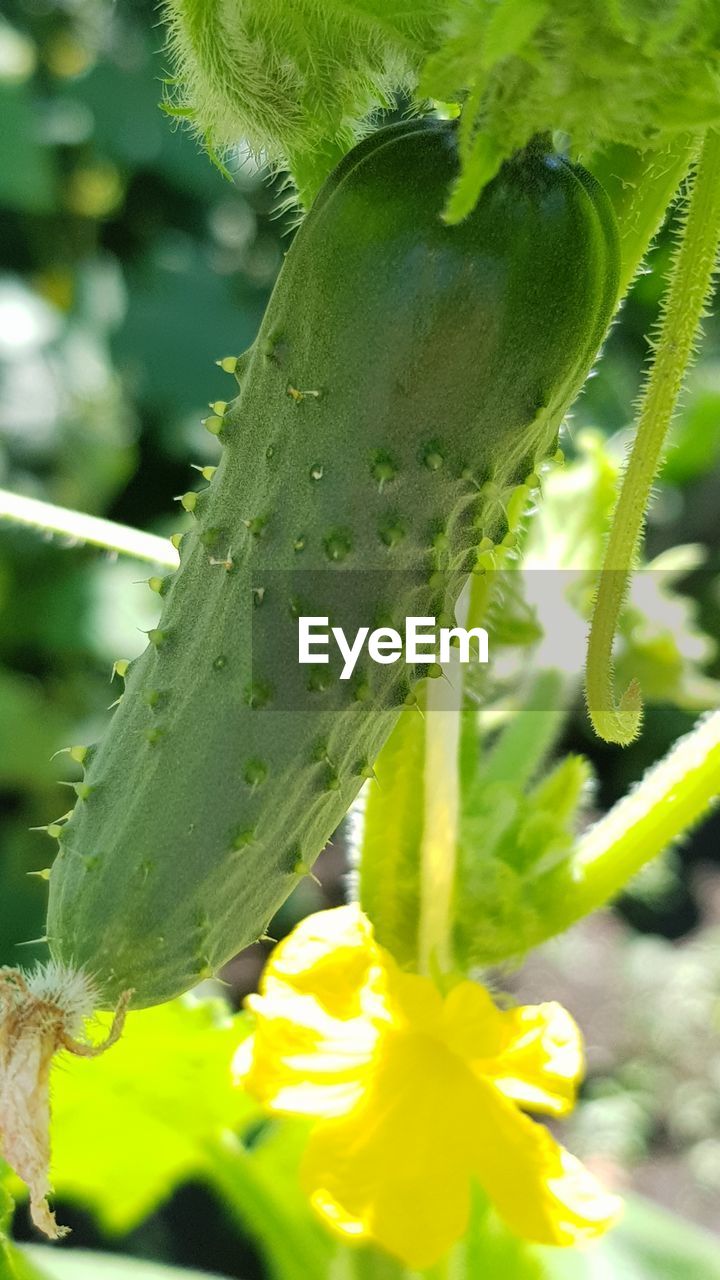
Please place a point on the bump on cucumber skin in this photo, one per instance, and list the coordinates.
(407, 377)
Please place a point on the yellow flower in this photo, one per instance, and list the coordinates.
(416, 1095)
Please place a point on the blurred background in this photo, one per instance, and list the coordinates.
(129, 264)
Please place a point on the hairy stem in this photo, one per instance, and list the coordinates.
(687, 296)
(668, 802)
(80, 528)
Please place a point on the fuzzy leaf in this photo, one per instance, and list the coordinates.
(509, 28)
(303, 85)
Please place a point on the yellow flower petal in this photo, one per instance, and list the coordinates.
(413, 1001)
(543, 1193)
(332, 957)
(321, 998)
(544, 1062)
(533, 1054)
(416, 1095)
(295, 1070)
(397, 1168)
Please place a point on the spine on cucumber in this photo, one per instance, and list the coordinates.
(407, 378)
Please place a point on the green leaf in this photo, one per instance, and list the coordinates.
(664, 1246)
(261, 1187)
(660, 641)
(511, 831)
(481, 161)
(648, 1244)
(160, 1107)
(635, 74)
(131, 1125)
(569, 532)
(31, 730)
(641, 185)
(510, 26)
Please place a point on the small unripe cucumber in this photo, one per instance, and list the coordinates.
(406, 377)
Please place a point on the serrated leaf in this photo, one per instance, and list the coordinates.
(510, 25)
(481, 160)
(510, 841)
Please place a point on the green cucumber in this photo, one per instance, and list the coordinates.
(407, 377)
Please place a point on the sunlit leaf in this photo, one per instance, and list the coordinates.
(131, 1125)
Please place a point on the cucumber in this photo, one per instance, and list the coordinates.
(408, 376)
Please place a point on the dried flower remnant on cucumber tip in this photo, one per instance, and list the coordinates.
(41, 1014)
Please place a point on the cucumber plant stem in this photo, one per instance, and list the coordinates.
(671, 798)
(78, 527)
